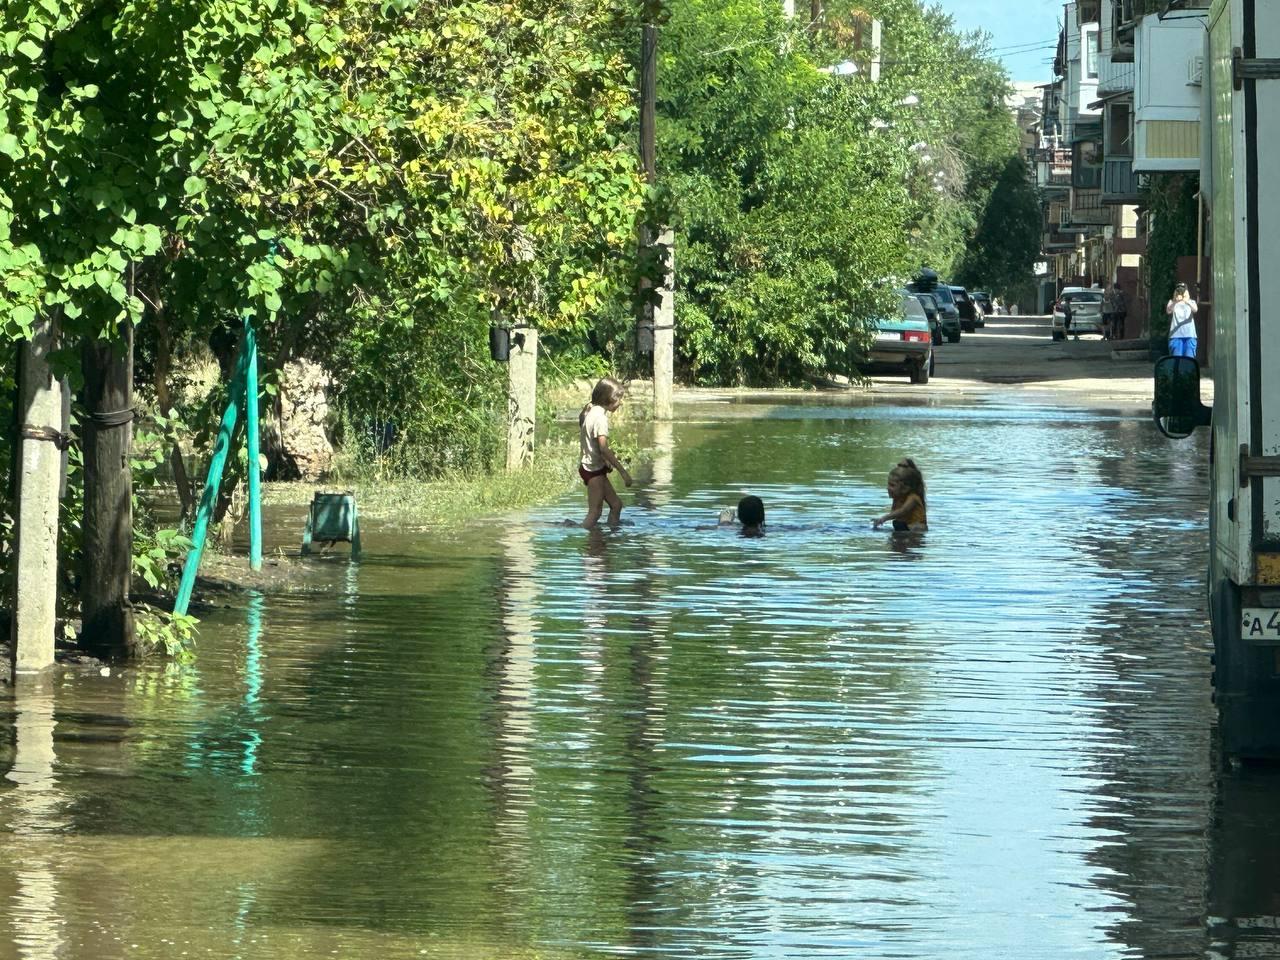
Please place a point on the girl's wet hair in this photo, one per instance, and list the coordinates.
(910, 476)
(604, 394)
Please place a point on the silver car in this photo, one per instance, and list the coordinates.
(1085, 305)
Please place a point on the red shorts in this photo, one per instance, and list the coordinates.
(586, 474)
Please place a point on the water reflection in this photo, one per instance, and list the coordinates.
(1243, 892)
(253, 681)
(526, 739)
(514, 659)
(33, 813)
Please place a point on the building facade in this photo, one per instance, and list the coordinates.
(1123, 104)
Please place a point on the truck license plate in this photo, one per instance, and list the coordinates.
(1260, 623)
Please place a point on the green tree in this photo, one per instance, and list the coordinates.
(800, 193)
(1007, 240)
(366, 181)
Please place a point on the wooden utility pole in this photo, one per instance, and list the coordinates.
(657, 322)
(649, 91)
(36, 527)
(648, 162)
(107, 629)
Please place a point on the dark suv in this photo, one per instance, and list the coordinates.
(968, 315)
(948, 315)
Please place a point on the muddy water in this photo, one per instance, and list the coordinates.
(525, 740)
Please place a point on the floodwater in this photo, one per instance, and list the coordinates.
(525, 740)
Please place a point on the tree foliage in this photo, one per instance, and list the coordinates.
(1171, 201)
(366, 180)
(799, 193)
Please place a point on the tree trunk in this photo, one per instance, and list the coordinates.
(108, 497)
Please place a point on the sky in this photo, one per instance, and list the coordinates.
(1014, 26)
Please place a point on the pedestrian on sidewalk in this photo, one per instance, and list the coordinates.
(1108, 310)
(1182, 322)
(1119, 311)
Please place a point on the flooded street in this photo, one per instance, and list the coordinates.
(526, 740)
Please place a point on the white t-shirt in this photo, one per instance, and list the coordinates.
(594, 426)
(1182, 321)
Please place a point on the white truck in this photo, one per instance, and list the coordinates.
(1241, 150)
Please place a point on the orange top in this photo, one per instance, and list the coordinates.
(915, 515)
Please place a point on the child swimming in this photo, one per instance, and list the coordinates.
(750, 513)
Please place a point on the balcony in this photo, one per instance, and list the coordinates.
(1166, 97)
(1057, 242)
(1115, 76)
(1119, 183)
(1053, 168)
(1086, 210)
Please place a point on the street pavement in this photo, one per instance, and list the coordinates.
(1011, 357)
(1019, 355)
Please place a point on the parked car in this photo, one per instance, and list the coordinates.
(903, 342)
(983, 299)
(1086, 312)
(968, 315)
(948, 315)
(931, 311)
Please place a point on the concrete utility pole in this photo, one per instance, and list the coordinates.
(108, 496)
(36, 529)
(522, 395)
(664, 330)
(657, 322)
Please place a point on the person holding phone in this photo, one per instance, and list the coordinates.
(1182, 322)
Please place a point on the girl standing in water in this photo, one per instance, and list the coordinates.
(906, 490)
(597, 458)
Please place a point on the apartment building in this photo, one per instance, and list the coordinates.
(1123, 104)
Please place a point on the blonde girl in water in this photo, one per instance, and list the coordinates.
(906, 490)
(597, 458)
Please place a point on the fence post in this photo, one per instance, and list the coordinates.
(36, 524)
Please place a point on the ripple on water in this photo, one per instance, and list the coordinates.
(986, 740)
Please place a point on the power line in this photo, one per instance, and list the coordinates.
(1027, 47)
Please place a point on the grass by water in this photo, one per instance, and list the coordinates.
(450, 499)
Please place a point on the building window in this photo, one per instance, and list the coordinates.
(1089, 41)
(1086, 164)
(1119, 130)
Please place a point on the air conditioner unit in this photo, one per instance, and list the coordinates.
(1195, 71)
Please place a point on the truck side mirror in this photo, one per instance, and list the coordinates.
(1177, 409)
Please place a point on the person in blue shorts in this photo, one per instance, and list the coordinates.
(1182, 323)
